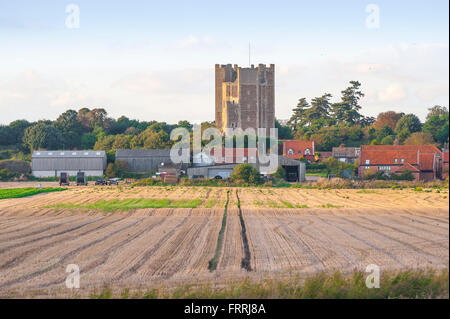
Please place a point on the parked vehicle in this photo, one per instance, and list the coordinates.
(100, 181)
(113, 181)
(64, 179)
(81, 179)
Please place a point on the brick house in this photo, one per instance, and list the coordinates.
(235, 155)
(346, 154)
(298, 149)
(323, 156)
(423, 161)
(445, 155)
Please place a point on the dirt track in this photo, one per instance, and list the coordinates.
(152, 247)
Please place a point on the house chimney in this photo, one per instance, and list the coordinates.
(396, 140)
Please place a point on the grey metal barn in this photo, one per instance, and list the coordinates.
(143, 161)
(295, 170)
(52, 163)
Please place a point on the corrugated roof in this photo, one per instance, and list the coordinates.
(345, 152)
(142, 153)
(68, 154)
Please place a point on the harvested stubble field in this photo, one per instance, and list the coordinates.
(268, 233)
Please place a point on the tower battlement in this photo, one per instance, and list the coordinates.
(245, 96)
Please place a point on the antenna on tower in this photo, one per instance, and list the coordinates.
(249, 54)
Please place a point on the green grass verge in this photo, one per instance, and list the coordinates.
(411, 284)
(24, 192)
(131, 204)
(210, 203)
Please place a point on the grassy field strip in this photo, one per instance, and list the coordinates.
(24, 192)
(213, 262)
(130, 204)
(409, 284)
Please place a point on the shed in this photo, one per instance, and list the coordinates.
(143, 160)
(295, 170)
(52, 163)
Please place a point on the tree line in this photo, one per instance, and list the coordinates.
(332, 124)
(328, 124)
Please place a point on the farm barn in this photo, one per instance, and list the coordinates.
(52, 163)
(295, 170)
(143, 161)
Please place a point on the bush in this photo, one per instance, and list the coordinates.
(316, 166)
(149, 182)
(245, 174)
(404, 176)
(6, 175)
(280, 173)
(117, 169)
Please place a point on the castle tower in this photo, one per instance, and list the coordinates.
(245, 97)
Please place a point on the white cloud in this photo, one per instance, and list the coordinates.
(395, 92)
(193, 41)
(185, 81)
(433, 92)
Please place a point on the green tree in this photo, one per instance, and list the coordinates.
(284, 132)
(347, 111)
(437, 126)
(383, 132)
(419, 138)
(387, 140)
(280, 173)
(105, 143)
(299, 114)
(42, 136)
(245, 174)
(17, 130)
(151, 139)
(437, 110)
(407, 125)
(71, 129)
(319, 110)
(121, 141)
(88, 141)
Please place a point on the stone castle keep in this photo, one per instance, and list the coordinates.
(245, 97)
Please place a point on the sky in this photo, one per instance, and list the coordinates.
(154, 60)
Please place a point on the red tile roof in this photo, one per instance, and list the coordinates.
(297, 146)
(426, 161)
(421, 148)
(408, 167)
(386, 154)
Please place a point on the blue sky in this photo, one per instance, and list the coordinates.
(154, 60)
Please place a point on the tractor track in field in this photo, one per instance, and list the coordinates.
(148, 253)
(264, 234)
(63, 258)
(245, 263)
